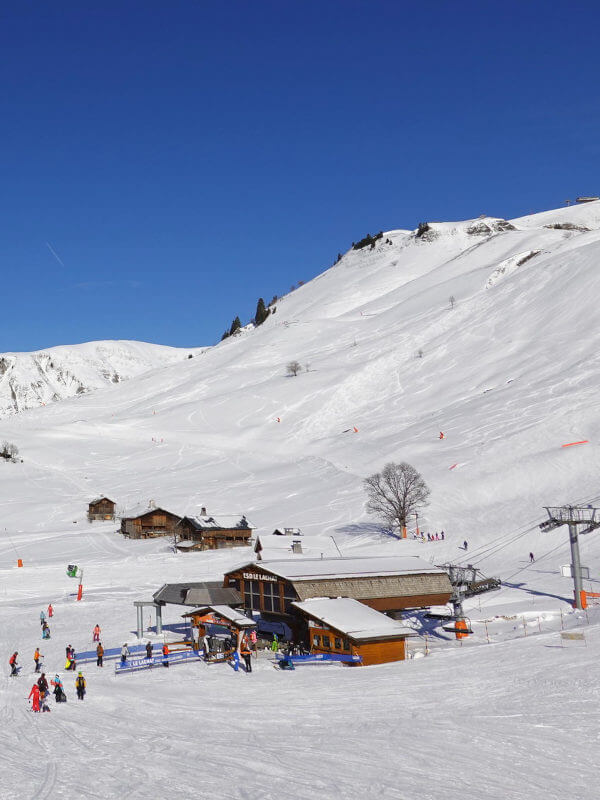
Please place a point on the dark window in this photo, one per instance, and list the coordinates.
(315, 641)
(271, 596)
(337, 643)
(251, 595)
(289, 596)
(326, 641)
(346, 644)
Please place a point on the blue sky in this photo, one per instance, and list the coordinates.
(165, 164)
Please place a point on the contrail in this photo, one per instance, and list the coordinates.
(53, 251)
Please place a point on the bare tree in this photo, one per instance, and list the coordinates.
(293, 368)
(395, 493)
(9, 451)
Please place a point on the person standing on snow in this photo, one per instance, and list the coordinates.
(148, 649)
(247, 654)
(465, 544)
(42, 618)
(80, 686)
(531, 558)
(96, 635)
(165, 652)
(35, 693)
(99, 654)
(124, 654)
(13, 664)
(36, 657)
(42, 683)
(275, 644)
(59, 692)
(50, 610)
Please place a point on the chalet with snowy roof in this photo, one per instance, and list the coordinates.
(144, 523)
(347, 627)
(382, 582)
(101, 508)
(207, 532)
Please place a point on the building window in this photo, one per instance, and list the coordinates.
(346, 644)
(271, 596)
(289, 596)
(337, 643)
(252, 595)
(326, 641)
(316, 641)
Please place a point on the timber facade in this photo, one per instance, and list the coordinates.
(101, 508)
(150, 523)
(213, 533)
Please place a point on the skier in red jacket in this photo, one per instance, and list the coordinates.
(35, 693)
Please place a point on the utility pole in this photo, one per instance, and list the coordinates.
(575, 517)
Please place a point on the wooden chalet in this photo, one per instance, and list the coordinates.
(384, 583)
(146, 523)
(347, 627)
(101, 508)
(206, 532)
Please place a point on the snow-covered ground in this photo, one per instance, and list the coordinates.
(31, 380)
(509, 374)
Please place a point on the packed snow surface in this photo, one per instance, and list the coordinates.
(507, 370)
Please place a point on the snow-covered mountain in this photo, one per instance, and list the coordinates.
(482, 329)
(29, 380)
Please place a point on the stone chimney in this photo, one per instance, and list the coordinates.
(203, 511)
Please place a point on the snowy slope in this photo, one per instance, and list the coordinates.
(30, 380)
(509, 374)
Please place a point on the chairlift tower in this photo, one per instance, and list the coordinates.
(575, 517)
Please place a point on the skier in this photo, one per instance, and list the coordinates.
(35, 693)
(36, 657)
(42, 683)
(247, 654)
(59, 692)
(45, 630)
(274, 644)
(165, 652)
(96, 636)
(14, 667)
(531, 558)
(50, 610)
(465, 544)
(148, 649)
(42, 618)
(441, 435)
(99, 654)
(80, 686)
(442, 536)
(124, 654)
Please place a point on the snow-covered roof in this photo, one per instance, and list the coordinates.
(98, 499)
(273, 547)
(306, 569)
(353, 619)
(197, 593)
(226, 612)
(220, 522)
(143, 508)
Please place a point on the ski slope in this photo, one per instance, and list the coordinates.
(508, 374)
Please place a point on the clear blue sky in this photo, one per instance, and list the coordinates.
(164, 164)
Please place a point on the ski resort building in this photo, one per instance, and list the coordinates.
(344, 626)
(384, 583)
(101, 508)
(212, 533)
(145, 523)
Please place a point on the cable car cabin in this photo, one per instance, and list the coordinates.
(346, 627)
(148, 523)
(101, 508)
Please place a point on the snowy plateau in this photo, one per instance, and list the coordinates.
(509, 371)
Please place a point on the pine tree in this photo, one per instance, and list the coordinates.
(261, 312)
(235, 326)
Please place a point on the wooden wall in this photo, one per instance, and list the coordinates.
(371, 652)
